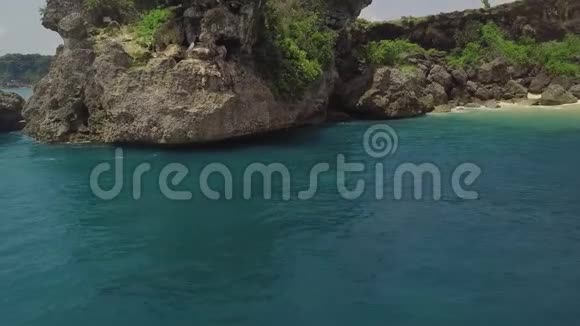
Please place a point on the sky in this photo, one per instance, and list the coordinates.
(394, 9)
(21, 31)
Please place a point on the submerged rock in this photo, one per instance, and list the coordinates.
(474, 105)
(492, 104)
(445, 108)
(10, 112)
(528, 102)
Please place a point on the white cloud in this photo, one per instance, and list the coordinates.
(2, 31)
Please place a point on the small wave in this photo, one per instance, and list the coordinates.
(47, 159)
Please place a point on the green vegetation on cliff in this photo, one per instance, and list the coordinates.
(296, 46)
(137, 38)
(391, 52)
(149, 23)
(480, 43)
(23, 69)
(557, 57)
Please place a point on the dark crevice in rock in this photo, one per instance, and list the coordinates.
(83, 114)
(233, 47)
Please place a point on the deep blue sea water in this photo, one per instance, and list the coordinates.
(510, 258)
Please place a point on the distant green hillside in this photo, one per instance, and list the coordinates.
(18, 70)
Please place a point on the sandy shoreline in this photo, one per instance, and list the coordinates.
(511, 106)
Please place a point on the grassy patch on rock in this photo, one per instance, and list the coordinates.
(149, 24)
(391, 52)
(138, 38)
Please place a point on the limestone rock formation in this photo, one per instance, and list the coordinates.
(540, 82)
(438, 92)
(10, 112)
(495, 71)
(557, 95)
(445, 108)
(441, 76)
(460, 76)
(575, 90)
(395, 94)
(483, 93)
(514, 90)
(95, 91)
(493, 79)
(564, 81)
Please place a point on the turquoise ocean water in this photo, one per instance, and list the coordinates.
(510, 258)
(23, 91)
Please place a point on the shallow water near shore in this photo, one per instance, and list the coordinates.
(25, 92)
(510, 258)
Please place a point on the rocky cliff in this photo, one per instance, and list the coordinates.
(210, 72)
(426, 80)
(543, 20)
(98, 91)
(10, 112)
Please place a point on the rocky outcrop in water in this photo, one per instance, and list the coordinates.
(96, 92)
(10, 112)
